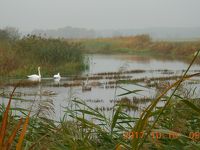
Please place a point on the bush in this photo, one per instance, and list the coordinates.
(51, 51)
(21, 57)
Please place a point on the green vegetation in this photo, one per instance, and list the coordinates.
(174, 125)
(20, 57)
(141, 45)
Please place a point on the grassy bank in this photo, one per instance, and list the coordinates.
(21, 57)
(141, 45)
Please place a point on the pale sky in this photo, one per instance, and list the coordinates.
(27, 15)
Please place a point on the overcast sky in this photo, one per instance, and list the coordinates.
(99, 14)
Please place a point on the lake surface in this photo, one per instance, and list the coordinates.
(109, 63)
(53, 97)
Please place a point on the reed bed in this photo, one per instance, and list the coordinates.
(21, 56)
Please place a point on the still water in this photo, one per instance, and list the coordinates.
(54, 96)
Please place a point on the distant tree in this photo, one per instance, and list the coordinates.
(13, 33)
(3, 34)
(9, 33)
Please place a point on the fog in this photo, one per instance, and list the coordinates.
(27, 15)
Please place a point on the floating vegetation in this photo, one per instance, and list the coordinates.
(100, 77)
(151, 79)
(21, 94)
(85, 78)
(48, 93)
(94, 100)
(86, 88)
(71, 84)
(102, 109)
(8, 94)
(118, 73)
(95, 83)
(110, 86)
(118, 77)
(167, 72)
(163, 71)
(194, 82)
(131, 101)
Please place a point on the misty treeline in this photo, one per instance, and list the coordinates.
(9, 33)
(24, 54)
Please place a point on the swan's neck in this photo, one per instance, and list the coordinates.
(39, 73)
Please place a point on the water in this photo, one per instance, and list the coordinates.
(56, 95)
(109, 63)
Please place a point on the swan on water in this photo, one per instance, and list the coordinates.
(57, 76)
(35, 77)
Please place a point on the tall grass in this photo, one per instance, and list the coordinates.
(5, 140)
(21, 57)
(141, 124)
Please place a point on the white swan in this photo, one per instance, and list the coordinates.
(57, 76)
(35, 77)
